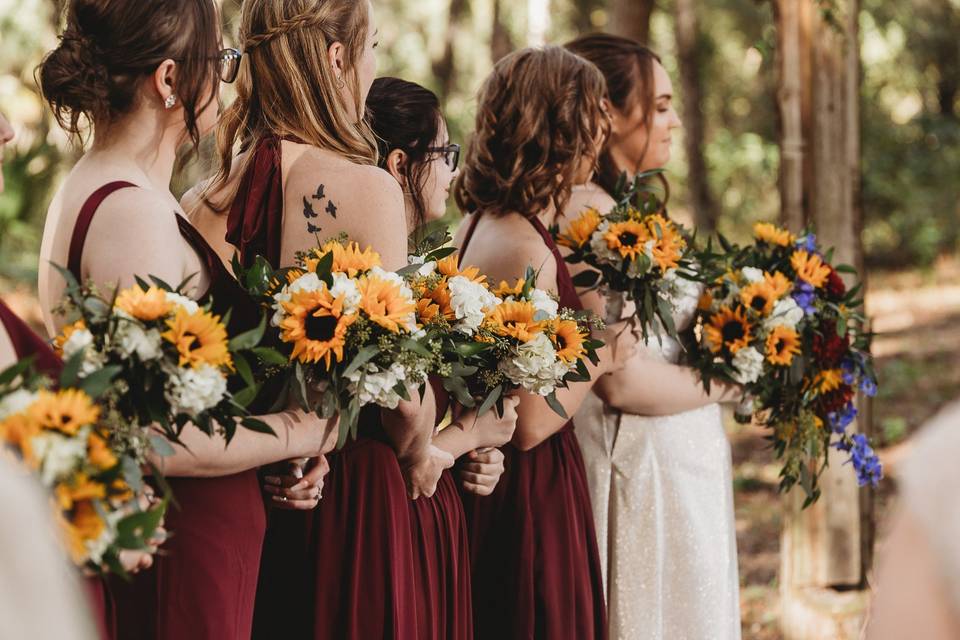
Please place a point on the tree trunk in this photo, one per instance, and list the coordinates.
(500, 41)
(688, 37)
(538, 22)
(827, 547)
(444, 67)
(631, 19)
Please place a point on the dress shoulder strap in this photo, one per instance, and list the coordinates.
(82, 226)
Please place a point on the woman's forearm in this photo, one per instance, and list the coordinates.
(410, 426)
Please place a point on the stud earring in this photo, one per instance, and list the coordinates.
(340, 82)
(170, 101)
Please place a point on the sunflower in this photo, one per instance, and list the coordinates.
(434, 303)
(19, 430)
(384, 303)
(809, 268)
(200, 338)
(99, 453)
(144, 305)
(728, 328)
(627, 238)
(782, 344)
(316, 325)
(85, 526)
(705, 301)
(667, 243)
(828, 380)
(515, 319)
(567, 339)
(759, 296)
(580, 229)
(450, 267)
(772, 234)
(65, 334)
(66, 410)
(778, 282)
(505, 289)
(79, 488)
(348, 259)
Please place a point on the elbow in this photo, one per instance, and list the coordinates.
(526, 439)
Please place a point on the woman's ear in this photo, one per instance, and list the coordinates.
(335, 56)
(164, 82)
(397, 166)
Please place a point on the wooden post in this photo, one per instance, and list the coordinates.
(631, 19)
(825, 548)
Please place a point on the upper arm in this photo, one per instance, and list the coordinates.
(8, 355)
(133, 234)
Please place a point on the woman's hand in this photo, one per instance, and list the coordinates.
(622, 340)
(423, 474)
(315, 436)
(294, 489)
(490, 429)
(480, 471)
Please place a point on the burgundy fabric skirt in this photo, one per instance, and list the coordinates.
(345, 570)
(536, 569)
(204, 581)
(442, 555)
(101, 606)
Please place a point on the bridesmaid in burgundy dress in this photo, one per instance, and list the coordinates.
(415, 149)
(307, 170)
(540, 124)
(146, 74)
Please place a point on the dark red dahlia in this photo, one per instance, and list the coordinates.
(834, 286)
(829, 348)
(835, 400)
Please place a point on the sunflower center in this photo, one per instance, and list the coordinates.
(628, 238)
(758, 303)
(561, 342)
(732, 331)
(320, 328)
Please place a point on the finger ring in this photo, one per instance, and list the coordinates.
(283, 498)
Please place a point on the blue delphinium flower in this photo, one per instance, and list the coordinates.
(808, 243)
(849, 368)
(839, 421)
(804, 296)
(865, 462)
(869, 386)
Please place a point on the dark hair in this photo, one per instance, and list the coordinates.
(627, 67)
(405, 116)
(108, 48)
(538, 116)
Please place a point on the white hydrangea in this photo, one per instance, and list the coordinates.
(469, 300)
(544, 303)
(307, 282)
(748, 363)
(193, 391)
(535, 366)
(785, 313)
(131, 338)
(426, 268)
(191, 306)
(682, 294)
(81, 340)
(346, 287)
(378, 386)
(752, 274)
(60, 454)
(599, 247)
(16, 402)
(389, 276)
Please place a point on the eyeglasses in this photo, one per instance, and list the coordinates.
(451, 154)
(228, 64)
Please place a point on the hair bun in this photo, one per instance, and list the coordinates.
(75, 81)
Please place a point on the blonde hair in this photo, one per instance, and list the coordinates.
(286, 86)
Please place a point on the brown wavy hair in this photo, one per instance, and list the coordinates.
(286, 86)
(538, 116)
(108, 48)
(627, 67)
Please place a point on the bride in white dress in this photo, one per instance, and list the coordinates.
(657, 457)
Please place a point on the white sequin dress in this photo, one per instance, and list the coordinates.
(662, 492)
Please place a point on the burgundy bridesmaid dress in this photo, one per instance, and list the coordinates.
(536, 568)
(26, 343)
(203, 583)
(345, 570)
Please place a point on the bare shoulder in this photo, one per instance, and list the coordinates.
(585, 197)
(504, 246)
(147, 213)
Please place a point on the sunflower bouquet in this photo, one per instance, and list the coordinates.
(169, 361)
(346, 328)
(779, 320)
(487, 342)
(635, 251)
(59, 436)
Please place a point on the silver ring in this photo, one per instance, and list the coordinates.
(283, 498)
